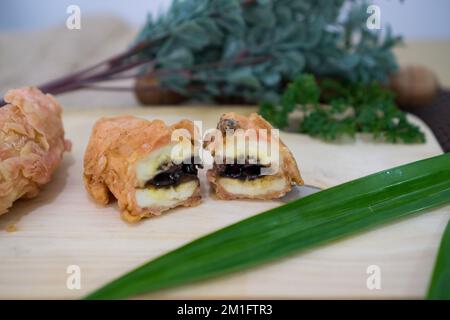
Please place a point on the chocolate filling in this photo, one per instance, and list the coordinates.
(175, 174)
(239, 171)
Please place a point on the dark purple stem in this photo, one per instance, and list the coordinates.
(99, 71)
(108, 69)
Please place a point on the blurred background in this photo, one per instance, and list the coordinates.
(108, 27)
(415, 19)
(36, 46)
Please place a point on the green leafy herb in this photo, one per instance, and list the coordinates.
(318, 219)
(251, 48)
(440, 282)
(333, 109)
(208, 49)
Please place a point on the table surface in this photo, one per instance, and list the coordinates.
(62, 226)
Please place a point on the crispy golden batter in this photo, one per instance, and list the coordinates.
(31, 143)
(288, 173)
(115, 147)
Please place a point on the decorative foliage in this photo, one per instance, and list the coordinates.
(440, 281)
(345, 110)
(301, 225)
(251, 49)
(208, 49)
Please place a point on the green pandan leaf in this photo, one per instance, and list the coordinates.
(318, 219)
(440, 281)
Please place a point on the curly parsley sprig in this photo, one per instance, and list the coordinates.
(333, 109)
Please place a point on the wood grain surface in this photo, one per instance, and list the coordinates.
(40, 238)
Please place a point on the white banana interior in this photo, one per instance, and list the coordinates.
(155, 163)
(165, 197)
(151, 165)
(253, 149)
(252, 188)
(270, 182)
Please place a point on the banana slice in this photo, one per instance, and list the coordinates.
(258, 166)
(137, 162)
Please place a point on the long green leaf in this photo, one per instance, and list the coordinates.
(328, 215)
(440, 282)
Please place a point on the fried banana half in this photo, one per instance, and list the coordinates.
(139, 163)
(260, 166)
(31, 143)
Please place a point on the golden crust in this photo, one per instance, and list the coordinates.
(115, 147)
(31, 143)
(288, 168)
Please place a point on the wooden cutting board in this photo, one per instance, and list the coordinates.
(63, 227)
